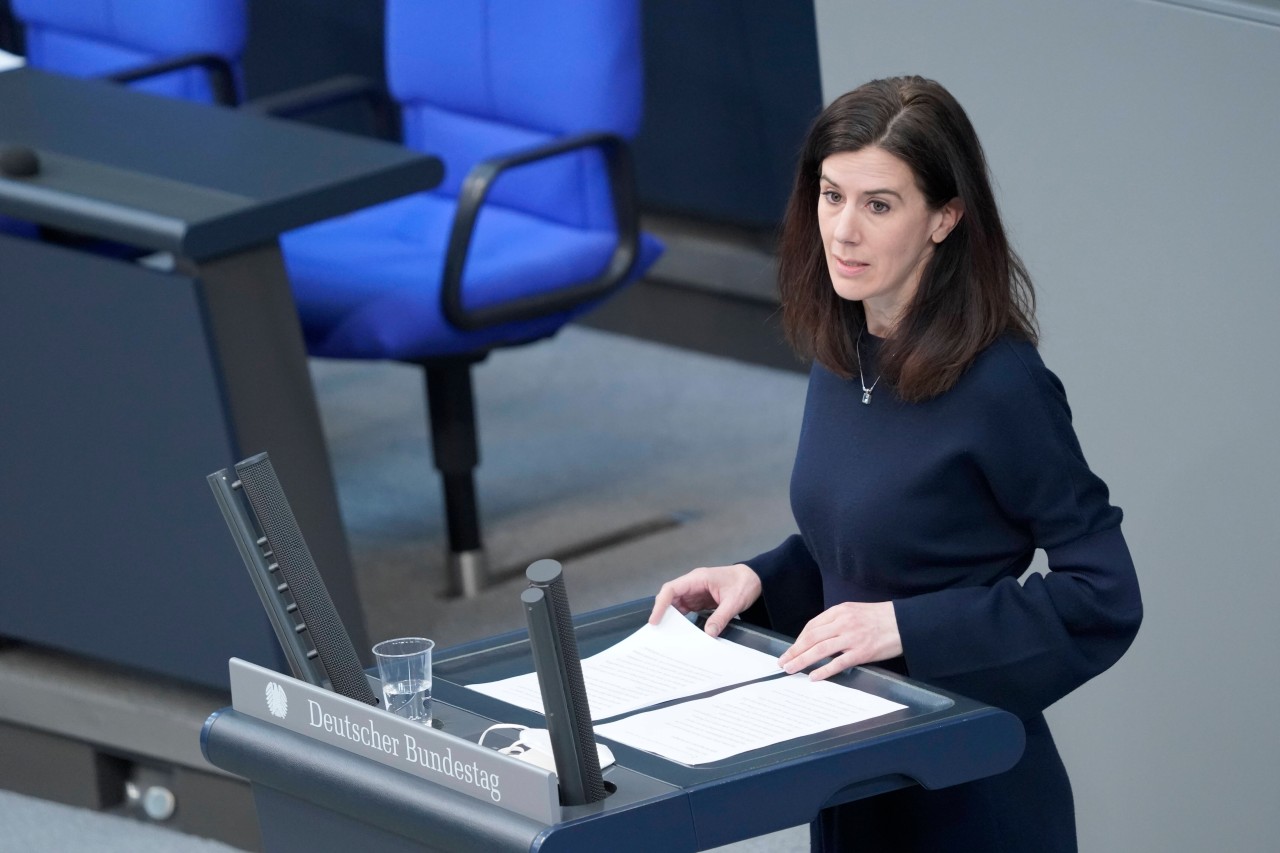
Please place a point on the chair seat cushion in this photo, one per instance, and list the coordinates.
(367, 284)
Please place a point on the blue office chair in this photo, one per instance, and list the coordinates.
(529, 105)
(189, 49)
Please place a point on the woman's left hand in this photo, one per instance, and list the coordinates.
(852, 633)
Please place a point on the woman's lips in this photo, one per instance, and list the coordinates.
(850, 267)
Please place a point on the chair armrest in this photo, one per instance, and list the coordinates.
(221, 78)
(476, 187)
(329, 93)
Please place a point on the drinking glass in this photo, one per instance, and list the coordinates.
(404, 664)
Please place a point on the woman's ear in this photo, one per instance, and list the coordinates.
(949, 216)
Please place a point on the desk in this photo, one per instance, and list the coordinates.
(311, 795)
(123, 386)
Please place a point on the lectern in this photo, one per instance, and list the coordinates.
(123, 383)
(326, 776)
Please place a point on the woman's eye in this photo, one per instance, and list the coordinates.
(831, 196)
(878, 206)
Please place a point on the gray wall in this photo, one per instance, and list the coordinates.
(1135, 146)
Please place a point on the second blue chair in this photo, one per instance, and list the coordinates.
(530, 106)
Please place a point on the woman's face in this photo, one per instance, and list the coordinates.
(878, 231)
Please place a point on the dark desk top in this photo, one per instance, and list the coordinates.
(188, 178)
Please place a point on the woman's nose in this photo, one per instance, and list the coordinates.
(847, 230)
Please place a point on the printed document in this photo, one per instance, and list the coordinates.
(658, 663)
(746, 718)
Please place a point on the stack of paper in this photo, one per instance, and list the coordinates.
(656, 664)
(747, 718)
(674, 659)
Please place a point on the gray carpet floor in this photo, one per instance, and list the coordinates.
(584, 436)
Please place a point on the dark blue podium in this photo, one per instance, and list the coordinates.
(124, 384)
(313, 795)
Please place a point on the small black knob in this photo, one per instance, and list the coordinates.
(18, 161)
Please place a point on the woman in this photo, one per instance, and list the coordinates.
(936, 455)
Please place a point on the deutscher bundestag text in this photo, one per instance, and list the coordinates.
(368, 735)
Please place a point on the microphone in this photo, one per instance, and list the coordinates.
(289, 583)
(18, 161)
(564, 695)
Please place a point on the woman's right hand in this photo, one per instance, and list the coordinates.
(730, 589)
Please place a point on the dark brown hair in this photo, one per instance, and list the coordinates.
(973, 289)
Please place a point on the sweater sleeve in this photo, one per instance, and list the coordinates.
(1023, 646)
(792, 593)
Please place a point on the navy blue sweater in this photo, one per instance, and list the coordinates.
(939, 506)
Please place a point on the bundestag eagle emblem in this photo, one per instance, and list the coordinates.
(277, 702)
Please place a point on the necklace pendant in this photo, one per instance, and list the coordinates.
(866, 397)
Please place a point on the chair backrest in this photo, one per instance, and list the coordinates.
(482, 78)
(90, 38)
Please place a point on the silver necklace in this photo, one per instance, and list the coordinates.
(866, 392)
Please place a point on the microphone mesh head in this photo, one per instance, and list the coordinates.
(548, 576)
(324, 626)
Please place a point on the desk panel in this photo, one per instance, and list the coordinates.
(113, 416)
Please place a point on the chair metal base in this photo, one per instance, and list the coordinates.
(468, 573)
